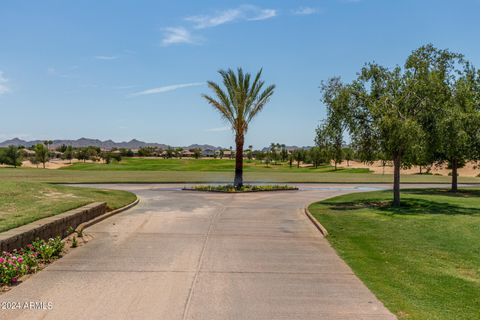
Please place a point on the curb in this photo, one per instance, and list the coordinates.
(89, 223)
(317, 224)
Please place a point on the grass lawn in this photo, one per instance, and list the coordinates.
(106, 176)
(205, 171)
(422, 260)
(24, 202)
(215, 165)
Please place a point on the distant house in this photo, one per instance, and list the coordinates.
(187, 153)
(28, 152)
(208, 153)
(56, 154)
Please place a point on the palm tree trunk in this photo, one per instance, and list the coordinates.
(396, 181)
(239, 141)
(454, 175)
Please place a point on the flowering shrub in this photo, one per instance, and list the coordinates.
(48, 250)
(17, 263)
(245, 188)
(13, 266)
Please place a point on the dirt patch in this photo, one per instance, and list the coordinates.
(471, 169)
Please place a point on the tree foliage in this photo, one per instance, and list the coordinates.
(425, 111)
(241, 99)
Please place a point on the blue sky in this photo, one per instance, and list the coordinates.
(135, 69)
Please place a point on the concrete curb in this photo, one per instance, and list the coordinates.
(317, 224)
(104, 216)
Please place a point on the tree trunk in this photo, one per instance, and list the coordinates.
(454, 175)
(396, 180)
(239, 141)
(335, 162)
(43, 165)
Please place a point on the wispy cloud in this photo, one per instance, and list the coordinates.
(177, 35)
(55, 73)
(305, 11)
(167, 88)
(106, 57)
(242, 13)
(4, 88)
(219, 129)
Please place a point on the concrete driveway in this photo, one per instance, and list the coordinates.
(191, 255)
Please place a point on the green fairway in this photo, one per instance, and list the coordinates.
(24, 202)
(105, 176)
(422, 260)
(215, 165)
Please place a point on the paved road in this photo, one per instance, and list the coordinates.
(189, 255)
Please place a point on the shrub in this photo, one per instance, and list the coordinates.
(245, 188)
(12, 267)
(47, 250)
(17, 263)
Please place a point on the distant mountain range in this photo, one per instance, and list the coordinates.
(107, 144)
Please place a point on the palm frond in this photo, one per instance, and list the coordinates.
(241, 99)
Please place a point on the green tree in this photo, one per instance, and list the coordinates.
(169, 153)
(93, 153)
(250, 152)
(81, 154)
(178, 152)
(299, 156)
(62, 148)
(68, 153)
(317, 157)
(274, 152)
(42, 155)
(389, 100)
(449, 88)
(197, 153)
(238, 103)
(329, 139)
(380, 109)
(460, 124)
(348, 154)
(12, 156)
(283, 152)
(48, 143)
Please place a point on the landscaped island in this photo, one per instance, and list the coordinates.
(245, 188)
(421, 259)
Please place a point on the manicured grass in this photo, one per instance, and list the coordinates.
(24, 202)
(422, 259)
(220, 165)
(121, 176)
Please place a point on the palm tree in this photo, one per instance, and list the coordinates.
(239, 103)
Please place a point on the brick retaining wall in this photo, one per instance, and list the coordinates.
(50, 227)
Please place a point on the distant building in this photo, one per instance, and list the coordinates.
(187, 153)
(209, 153)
